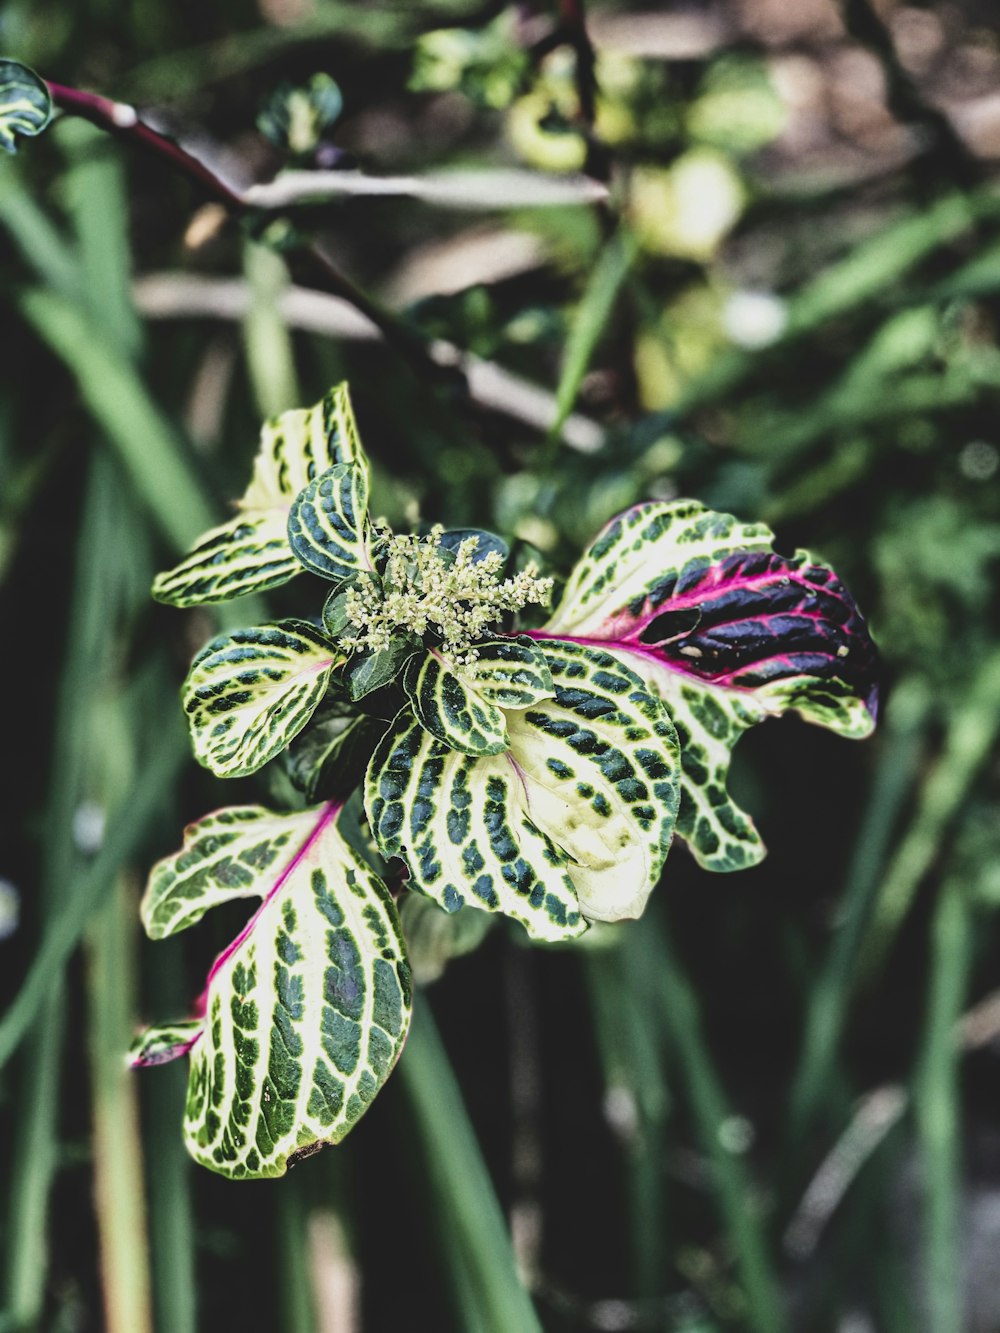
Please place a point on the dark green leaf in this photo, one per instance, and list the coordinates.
(488, 541)
(373, 670)
(328, 758)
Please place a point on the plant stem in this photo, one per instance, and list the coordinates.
(123, 121)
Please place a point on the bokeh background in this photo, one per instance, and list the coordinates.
(773, 1103)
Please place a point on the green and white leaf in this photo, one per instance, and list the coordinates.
(305, 1013)
(508, 673)
(25, 104)
(640, 548)
(251, 553)
(250, 692)
(328, 527)
(462, 705)
(574, 821)
(448, 710)
(224, 855)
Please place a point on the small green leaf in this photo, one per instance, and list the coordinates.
(335, 620)
(248, 693)
(574, 821)
(372, 671)
(306, 1011)
(510, 673)
(251, 553)
(327, 758)
(446, 708)
(328, 524)
(25, 104)
(295, 119)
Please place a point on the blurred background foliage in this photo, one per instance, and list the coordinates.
(774, 1103)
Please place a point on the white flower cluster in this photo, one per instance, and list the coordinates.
(424, 590)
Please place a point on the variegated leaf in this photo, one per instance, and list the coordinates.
(727, 632)
(462, 704)
(251, 553)
(249, 692)
(304, 1014)
(573, 821)
(223, 856)
(25, 104)
(328, 524)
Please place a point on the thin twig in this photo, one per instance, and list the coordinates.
(574, 22)
(123, 121)
(188, 295)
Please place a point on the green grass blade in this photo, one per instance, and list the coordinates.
(24, 1263)
(39, 241)
(268, 344)
(297, 1313)
(171, 1217)
(829, 993)
(969, 742)
(937, 1109)
(145, 441)
(95, 188)
(590, 321)
(119, 1192)
(629, 1042)
(481, 1260)
(739, 1213)
(35, 1157)
(125, 834)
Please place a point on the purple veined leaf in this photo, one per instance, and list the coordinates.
(728, 632)
(304, 1014)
